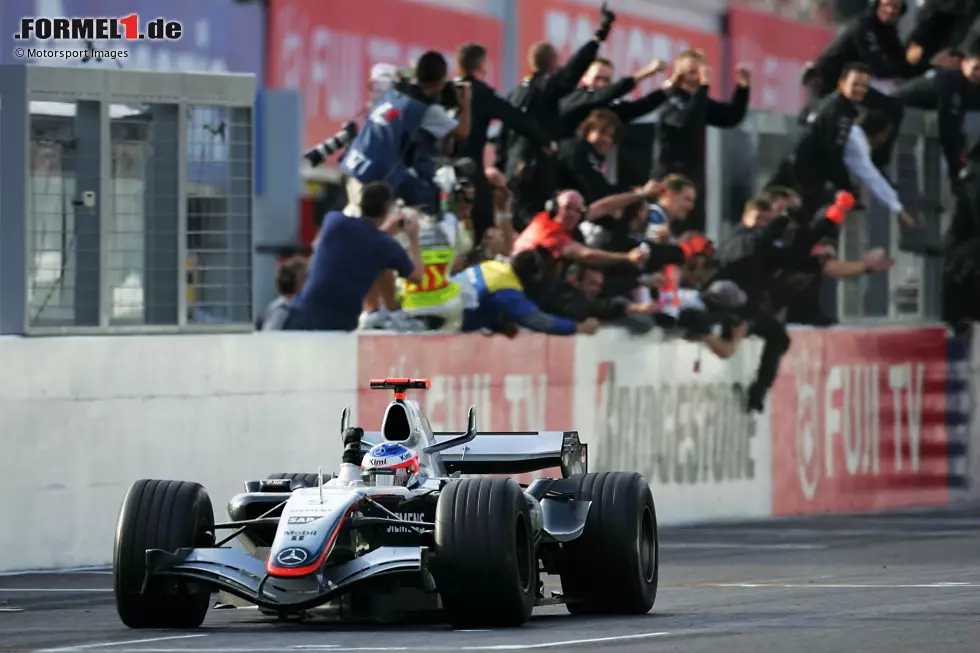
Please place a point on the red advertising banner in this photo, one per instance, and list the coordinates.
(633, 42)
(524, 384)
(327, 49)
(859, 422)
(777, 49)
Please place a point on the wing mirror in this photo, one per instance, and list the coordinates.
(344, 420)
(462, 439)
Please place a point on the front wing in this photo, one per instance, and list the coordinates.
(244, 576)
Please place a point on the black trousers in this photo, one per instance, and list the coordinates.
(482, 213)
(875, 100)
(775, 344)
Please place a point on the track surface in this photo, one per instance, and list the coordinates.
(907, 582)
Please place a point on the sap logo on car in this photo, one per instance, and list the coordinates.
(292, 557)
(302, 519)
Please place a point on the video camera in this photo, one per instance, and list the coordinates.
(456, 178)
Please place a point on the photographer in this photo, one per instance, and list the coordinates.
(348, 257)
(399, 143)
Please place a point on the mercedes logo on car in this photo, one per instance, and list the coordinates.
(293, 557)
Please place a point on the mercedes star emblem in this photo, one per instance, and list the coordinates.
(292, 557)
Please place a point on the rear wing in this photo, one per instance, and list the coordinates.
(515, 452)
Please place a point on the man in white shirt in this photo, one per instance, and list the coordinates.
(870, 131)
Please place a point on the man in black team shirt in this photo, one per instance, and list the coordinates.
(486, 106)
(941, 28)
(684, 116)
(599, 91)
(951, 93)
(529, 171)
(873, 40)
(816, 167)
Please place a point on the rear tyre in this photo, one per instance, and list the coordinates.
(166, 515)
(614, 566)
(485, 565)
(310, 480)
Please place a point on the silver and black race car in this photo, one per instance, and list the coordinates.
(398, 531)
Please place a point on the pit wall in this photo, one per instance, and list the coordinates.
(859, 420)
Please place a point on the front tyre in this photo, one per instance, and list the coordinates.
(485, 565)
(614, 566)
(166, 515)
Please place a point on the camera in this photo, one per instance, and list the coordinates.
(332, 145)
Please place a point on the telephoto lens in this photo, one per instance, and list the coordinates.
(332, 145)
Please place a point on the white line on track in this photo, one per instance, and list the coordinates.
(949, 585)
(29, 590)
(733, 545)
(334, 648)
(58, 572)
(82, 647)
(11, 609)
(569, 642)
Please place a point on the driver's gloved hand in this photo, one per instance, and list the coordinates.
(352, 445)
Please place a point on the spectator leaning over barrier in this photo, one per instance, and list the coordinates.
(290, 278)
(583, 297)
(712, 316)
(350, 255)
(622, 234)
(496, 293)
(554, 230)
(666, 220)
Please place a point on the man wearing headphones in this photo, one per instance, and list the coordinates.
(873, 40)
(554, 230)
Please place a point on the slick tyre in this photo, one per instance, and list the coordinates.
(166, 515)
(485, 565)
(310, 480)
(613, 567)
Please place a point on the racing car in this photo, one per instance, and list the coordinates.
(414, 521)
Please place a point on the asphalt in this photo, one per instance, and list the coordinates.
(896, 583)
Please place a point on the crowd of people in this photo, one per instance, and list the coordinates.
(431, 240)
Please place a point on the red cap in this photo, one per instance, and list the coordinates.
(844, 200)
(836, 214)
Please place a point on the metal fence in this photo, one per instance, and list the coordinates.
(127, 200)
(910, 292)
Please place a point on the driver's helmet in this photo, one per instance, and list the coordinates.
(389, 464)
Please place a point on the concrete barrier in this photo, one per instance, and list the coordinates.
(82, 418)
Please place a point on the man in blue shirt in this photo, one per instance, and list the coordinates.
(350, 254)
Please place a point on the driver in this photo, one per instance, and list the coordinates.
(391, 464)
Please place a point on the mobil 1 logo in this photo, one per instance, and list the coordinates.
(686, 434)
